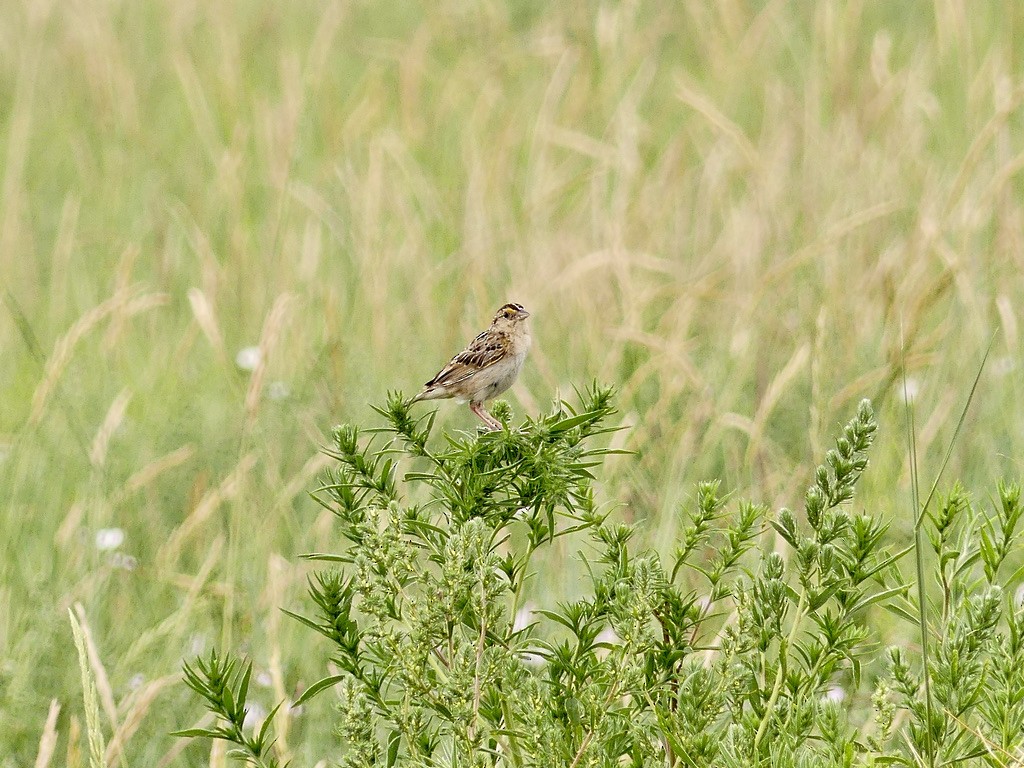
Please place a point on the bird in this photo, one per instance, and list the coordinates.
(485, 368)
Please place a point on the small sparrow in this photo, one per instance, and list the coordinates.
(487, 367)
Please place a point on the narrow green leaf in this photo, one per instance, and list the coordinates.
(199, 733)
(326, 557)
(317, 687)
(573, 421)
(308, 622)
(820, 598)
(878, 597)
(394, 742)
(229, 702)
(966, 563)
(891, 560)
(783, 533)
(243, 684)
(902, 612)
(558, 618)
(261, 738)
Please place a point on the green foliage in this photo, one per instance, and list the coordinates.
(976, 662)
(92, 708)
(730, 653)
(224, 685)
(728, 208)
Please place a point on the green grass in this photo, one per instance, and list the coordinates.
(732, 211)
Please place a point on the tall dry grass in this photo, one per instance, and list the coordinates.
(745, 215)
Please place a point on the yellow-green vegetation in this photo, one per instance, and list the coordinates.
(744, 215)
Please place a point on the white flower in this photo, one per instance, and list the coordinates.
(533, 659)
(911, 389)
(196, 644)
(248, 358)
(1001, 366)
(524, 616)
(123, 561)
(264, 679)
(109, 538)
(608, 637)
(605, 638)
(278, 390)
(834, 694)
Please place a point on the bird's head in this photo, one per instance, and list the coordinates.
(510, 314)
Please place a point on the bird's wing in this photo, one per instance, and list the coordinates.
(483, 352)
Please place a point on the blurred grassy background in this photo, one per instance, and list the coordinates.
(737, 212)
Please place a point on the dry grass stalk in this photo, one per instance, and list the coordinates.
(122, 286)
(113, 419)
(65, 346)
(173, 628)
(227, 490)
(154, 469)
(280, 576)
(302, 480)
(136, 706)
(206, 318)
(272, 327)
(48, 739)
(73, 758)
(68, 527)
(773, 394)
(179, 745)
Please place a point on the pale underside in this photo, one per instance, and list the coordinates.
(485, 369)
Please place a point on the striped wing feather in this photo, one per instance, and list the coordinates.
(484, 351)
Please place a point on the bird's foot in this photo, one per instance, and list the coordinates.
(492, 424)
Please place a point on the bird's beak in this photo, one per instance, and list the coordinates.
(523, 314)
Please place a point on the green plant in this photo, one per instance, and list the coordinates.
(225, 684)
(728, 652)
(976, 655)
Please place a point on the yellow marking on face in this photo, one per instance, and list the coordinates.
(511, 311)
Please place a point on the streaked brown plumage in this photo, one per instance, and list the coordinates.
(487, 367)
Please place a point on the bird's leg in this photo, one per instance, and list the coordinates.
(492, 423)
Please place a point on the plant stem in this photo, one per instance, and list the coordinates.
(783, 663)
(612, 693)
(521, 582)
(479, 661)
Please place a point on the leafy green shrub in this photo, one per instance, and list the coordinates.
(976, 668)
(733, 651)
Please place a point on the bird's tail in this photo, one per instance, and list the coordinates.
(426, 394)
(430, 393)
